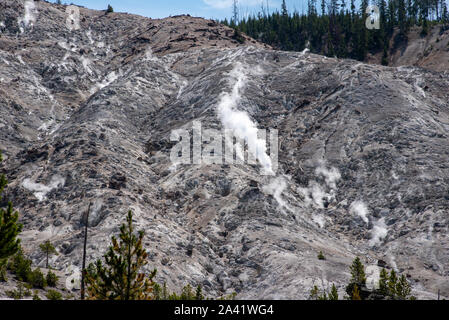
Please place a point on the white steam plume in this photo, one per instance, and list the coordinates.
(319, 219)
(275, 188)
(359, 208)
(378, 232)
(29, 17)
(239, 121)
(40, 190)
(331, 175)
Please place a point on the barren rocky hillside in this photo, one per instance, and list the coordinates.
(86, 115)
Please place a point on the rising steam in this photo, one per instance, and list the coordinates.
(378, 232)
(239, 121)
(40, 190)
(29, 17)
(360, 209)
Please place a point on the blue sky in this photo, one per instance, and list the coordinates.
(217, 9)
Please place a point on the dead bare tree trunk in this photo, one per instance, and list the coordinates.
(83, 271)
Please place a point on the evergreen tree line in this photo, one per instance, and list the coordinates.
(390, 286)
(338, 27)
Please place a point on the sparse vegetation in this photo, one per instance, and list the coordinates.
(3, 269)
(358, 279)
(20, 266)
(109, 9)
(53, 295)
(333, 295)
(316, 295)
(37, 279)
(392, 287)
(48, 249)
(52, 279)
(9, 230)
(238, 36)
(321, 256)
(36, 296)
(120, 277)
(19, 293)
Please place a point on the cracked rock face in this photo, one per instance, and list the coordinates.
(86, 117)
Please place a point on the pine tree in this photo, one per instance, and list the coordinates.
(358, 278)
(362, 32)
(83, 270)
(334, 293)
(313, 293)
(392, 281)
(161, 293)
(383, 282)
(355, 293)
(121, 277)
(48, 249)
(403, 289)
(187, 293)
(444, 14)
(358, 272)
(9, 226)
(20, 266)
(199, 293)
(402, 19)
(424, 15)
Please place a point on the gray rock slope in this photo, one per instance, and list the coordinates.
(86, 116)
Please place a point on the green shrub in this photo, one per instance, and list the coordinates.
(187, 293)
(37, 279)
(52, 279)
(321, 256)
(70, 296)
(14, 294)
(230, 296)
(20, 266)
(110, 9)
(36, 296)
(19, 293)
(3, 265)
(160, 292)
(53, 295)
(238, 36)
